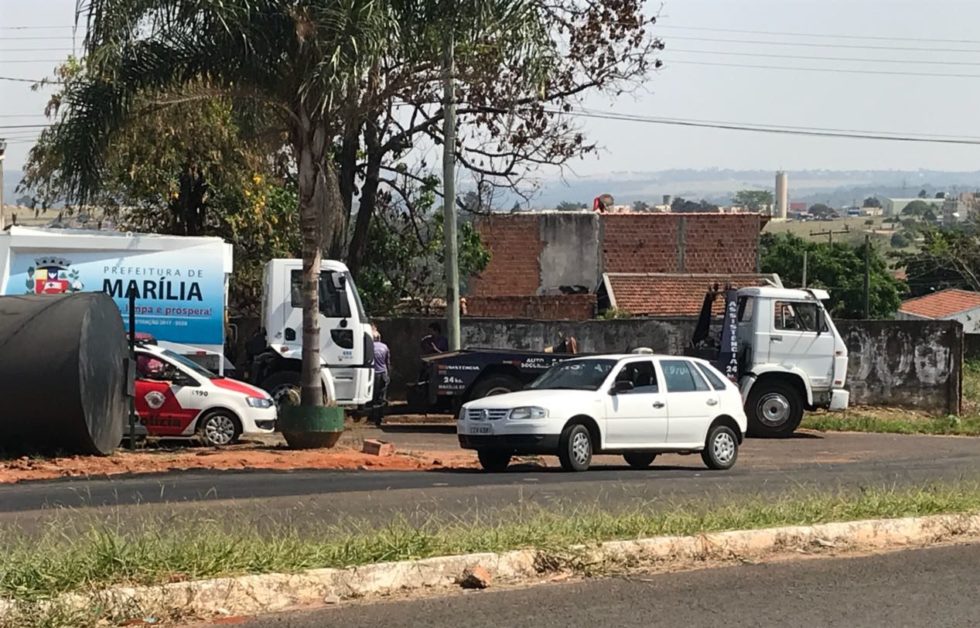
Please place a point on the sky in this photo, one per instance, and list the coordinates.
(912, 46)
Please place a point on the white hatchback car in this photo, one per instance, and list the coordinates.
(635, 405)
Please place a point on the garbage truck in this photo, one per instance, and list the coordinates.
(181, 290)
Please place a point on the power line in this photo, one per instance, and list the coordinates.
(811, 58)
(33, 60)
(834, 70)
(733, 126)
(35, 49)
(24, 126)
(35, 38)
(818, 35)
(17, 79)
(34, 28)
(816, 45)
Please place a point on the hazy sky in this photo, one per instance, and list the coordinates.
(913, 101)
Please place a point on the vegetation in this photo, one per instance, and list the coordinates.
(839, 268)
(755, 200)
(860, 421)
(947, 258)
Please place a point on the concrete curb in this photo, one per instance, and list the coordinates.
(247, 595)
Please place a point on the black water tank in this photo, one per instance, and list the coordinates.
(62, 373)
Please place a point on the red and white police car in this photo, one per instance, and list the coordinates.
(177, 398)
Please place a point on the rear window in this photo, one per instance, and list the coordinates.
(716, 382)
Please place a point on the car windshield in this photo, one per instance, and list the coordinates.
(188, 364)
(575, 375)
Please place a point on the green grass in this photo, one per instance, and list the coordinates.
(32, 569)
(939, 426)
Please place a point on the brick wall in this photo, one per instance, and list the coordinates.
(721, 243)
(515, 247)
(566, 307)
(640, 243)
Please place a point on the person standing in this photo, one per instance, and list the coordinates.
(435, 342)
(382, 376)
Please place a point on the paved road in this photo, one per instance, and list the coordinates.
(931, 587)
(318, 498)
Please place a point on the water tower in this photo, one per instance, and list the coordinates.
(782, 196)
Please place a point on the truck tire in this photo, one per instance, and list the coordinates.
(493, 460)
(494, 385)
(639, 459)
(774, 410)
(283, 387)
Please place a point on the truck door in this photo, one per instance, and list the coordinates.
(795, 341)
(343, 326)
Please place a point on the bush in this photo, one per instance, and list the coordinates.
(899, 241)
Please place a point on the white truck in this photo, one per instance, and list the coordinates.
(782, 349)
(181, 289)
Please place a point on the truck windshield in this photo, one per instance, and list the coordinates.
(575, 375)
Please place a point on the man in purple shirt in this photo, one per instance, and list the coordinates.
(382, 377)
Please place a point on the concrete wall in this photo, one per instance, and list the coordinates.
(914, 364)
(570, 256)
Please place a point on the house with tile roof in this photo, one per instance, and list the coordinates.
(948, 305)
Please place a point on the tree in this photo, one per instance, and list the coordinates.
(640, 206)
(683, 206)
(314, 65)
(899, 241)
(569, 206)
(755, 200)
(923, 193)
(916, 209)
(822, 211)
(839, 268)
(947, 258)
(929, 216)
(872, 201)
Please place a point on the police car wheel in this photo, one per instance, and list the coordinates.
(219, 428)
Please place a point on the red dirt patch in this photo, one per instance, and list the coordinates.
(234, 458)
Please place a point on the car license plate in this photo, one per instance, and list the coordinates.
(481, 429)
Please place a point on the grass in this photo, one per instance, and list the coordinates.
(34, 569)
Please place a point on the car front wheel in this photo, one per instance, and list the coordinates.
(721, 448)
(218, 428)
(575, 448)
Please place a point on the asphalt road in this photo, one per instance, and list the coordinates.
(930, 587)
(312, 499)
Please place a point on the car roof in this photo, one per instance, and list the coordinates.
(624, 356)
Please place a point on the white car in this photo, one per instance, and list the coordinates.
(635, 405)
(177, 398)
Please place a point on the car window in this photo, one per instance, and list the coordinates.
(149, 367)
(641, 374)
(679, 375)
(716, 382)
(797, 316)
(575, 375)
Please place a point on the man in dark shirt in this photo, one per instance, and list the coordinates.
(435, 342)
(382, 376)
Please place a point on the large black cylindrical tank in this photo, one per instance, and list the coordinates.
(62, 373)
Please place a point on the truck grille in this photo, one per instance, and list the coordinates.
(486, 415)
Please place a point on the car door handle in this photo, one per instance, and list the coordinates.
(775, 338)
(658, 404)
(712, 402)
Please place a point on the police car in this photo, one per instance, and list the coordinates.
(177, 398)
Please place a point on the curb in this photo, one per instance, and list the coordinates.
(255, 594)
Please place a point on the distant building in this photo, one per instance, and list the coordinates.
(945, 305)
(894, 206)
(798, 206)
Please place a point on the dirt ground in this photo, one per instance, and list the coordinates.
(268, 453)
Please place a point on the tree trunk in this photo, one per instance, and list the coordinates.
(347, 176)
(369, 199)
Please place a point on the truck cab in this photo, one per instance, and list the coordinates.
(346, 343)
(791, 357)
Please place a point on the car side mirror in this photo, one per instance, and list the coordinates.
(621, 387)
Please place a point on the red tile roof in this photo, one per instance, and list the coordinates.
(672, 294)
(942, 304)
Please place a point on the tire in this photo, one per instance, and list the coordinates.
(720, 448)
(219, 428)
(494, 385)
(493, 460)
(639, 459)
(283, 387)
(774, 410)
(575, 448)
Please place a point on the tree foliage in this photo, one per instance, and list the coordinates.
(872, 201)
(917, 209)
(822, 211)
(684, 206)
(947, 258)
(839, 268)
(755, 200)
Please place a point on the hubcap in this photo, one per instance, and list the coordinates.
(724, 447)
(581, 448)
(219, 430)
(774, 409)
(285, 395)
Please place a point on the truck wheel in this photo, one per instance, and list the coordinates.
(720, 448)
(495, 385)
(639, 459)
(493, 460)
(283, 387)
(575, 448)
(774, 410)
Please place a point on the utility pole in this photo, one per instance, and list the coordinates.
(3, 152)
(804, 268)
(449, 195)
(830, 233)
(867, 277)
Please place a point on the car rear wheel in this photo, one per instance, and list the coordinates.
(575, 448)
(219, 428)
(720, 448)
(639, 459)
(493, 460)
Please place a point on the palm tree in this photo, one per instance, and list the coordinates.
(314, 64)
